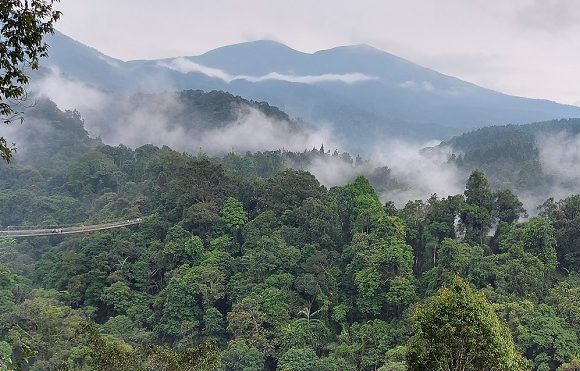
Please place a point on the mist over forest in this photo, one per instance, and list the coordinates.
(259, 208)
(196, 122)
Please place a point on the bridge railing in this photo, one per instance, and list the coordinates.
(55, 230)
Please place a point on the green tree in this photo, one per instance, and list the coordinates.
(507, 207)
(517, 272)
(299, 359)
(307, 331)
(233, 214)
(246, 321)
(454, 258)
(565, 299)
(5, 356)
(565, 217)
(24, 24)
(458, 330)
(118, 356)
(537, 236)
(546, 338)
(181, 308)
(214, 325)
(476, 214)
(239, 356)
(382, 268)
(270, 256)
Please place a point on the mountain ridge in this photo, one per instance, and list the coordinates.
(367, 94)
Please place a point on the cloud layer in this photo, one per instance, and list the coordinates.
(116, 120)
(184, 65)
(420, 172)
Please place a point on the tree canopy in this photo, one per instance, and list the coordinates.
(244, 269)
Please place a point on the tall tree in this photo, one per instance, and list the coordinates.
(476, 214)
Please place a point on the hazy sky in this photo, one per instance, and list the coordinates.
(523, 47)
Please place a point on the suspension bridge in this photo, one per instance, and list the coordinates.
(55, 231)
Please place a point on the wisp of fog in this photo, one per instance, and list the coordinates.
(419, 172)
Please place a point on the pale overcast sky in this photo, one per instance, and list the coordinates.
(523, 47)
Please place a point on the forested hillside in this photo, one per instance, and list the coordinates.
(243, 264)
(532, 158)
(190, 119)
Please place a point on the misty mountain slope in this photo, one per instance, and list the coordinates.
(86, 64)
(199, 110)
(366, 94)
(46, 141)
(49, 133)
(196, 121)
(534, 157)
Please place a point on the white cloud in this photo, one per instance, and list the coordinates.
(422, 172)
(414, 85)
(560, 156)
(117, 120)
(67, 93)
(184, 65)
(334, 171)
(256, 132)
(347, 78)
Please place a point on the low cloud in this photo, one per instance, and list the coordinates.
(184, 65)
(401, 171)
(334, 171)
(117, 119)
(252, 131)
(67, 93)
(421, 168)
(560, 160)
(414, 85)
(560, 156)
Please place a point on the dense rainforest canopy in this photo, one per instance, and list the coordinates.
(243, 264)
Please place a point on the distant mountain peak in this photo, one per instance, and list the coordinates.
(362, 48)
(270, 46)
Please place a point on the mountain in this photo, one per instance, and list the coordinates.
(365, 93)
(214, 122)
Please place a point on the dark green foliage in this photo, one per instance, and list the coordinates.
(458, 329)
(238, 356)
(245, 257)
(112, 356)
(476, 214)
(509, 154)
(546, 338)
(564, 215)
(299, 359)
(573, 365)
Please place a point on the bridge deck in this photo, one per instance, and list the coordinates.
(67, 230)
